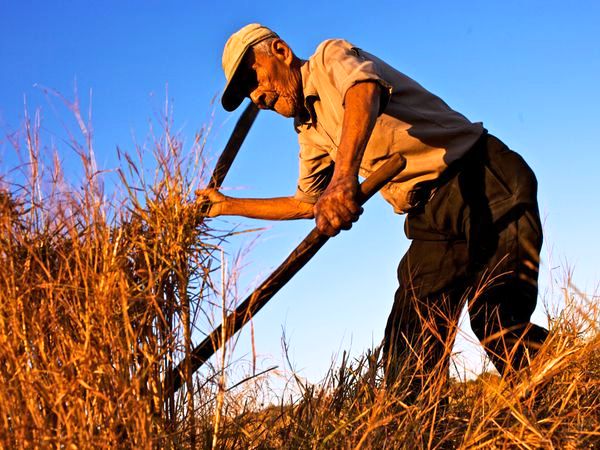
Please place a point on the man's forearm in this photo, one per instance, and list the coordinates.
(279, 208)
(337, 207)
(360, 114)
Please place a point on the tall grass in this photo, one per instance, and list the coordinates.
(102, 289)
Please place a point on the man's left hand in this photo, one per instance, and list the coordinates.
(337, 207)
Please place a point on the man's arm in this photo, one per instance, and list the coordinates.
(337, 207)
(278, 208)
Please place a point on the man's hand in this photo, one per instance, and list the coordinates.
(214, 200)
(337, 207)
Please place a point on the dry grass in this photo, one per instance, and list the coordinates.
(555, 404)
(100, 293)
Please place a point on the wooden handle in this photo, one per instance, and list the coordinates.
(284, 273)
(392, 167)
(240, 131)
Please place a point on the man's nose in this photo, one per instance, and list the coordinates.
(258, 97)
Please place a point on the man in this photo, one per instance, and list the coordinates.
(470, 201)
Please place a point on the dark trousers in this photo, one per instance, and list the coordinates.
(477, 240)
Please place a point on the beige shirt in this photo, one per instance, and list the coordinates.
(413, 122)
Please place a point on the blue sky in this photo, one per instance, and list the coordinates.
(529, 70)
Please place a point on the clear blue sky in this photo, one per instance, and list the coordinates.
(528, 69)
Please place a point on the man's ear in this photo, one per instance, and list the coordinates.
(282, 51)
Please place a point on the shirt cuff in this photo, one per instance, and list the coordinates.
(306, 198)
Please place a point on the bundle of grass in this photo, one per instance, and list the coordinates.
(99, 294)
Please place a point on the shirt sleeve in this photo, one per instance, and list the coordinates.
(316, 169)
(347, 65)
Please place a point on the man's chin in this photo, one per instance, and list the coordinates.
(286, 109)
(288, 114)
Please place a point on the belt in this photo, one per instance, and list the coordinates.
(422, 192)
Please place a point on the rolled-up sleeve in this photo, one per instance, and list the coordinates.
(316, 169)
(346, 66)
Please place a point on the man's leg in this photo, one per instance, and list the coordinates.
(432, 277)
(504, 236)
(422, 325)
(500, 312)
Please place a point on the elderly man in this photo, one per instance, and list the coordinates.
(470, 201)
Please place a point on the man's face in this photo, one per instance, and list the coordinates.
(273, 81)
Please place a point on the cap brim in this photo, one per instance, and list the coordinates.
(232, 96)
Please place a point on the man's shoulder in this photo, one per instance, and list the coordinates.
(330, 49)
(332, 44)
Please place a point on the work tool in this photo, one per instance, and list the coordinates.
(233, 145)
(284, 273)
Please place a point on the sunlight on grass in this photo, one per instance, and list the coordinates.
(105, 290)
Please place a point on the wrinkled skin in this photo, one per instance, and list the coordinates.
(274, 81)
(337, 207)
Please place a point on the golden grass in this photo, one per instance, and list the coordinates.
(100, 293)
(555, 404)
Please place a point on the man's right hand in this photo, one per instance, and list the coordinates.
(337, 207)
(214, 200)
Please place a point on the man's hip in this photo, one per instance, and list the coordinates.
(483, 188)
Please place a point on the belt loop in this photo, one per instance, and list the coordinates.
(418, 197)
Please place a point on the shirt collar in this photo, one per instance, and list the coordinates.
(309, 92)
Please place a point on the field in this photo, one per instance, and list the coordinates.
(101, 290)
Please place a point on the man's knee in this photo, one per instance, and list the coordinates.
(500, 318)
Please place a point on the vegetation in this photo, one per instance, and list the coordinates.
(553, 405)
(101, 291)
